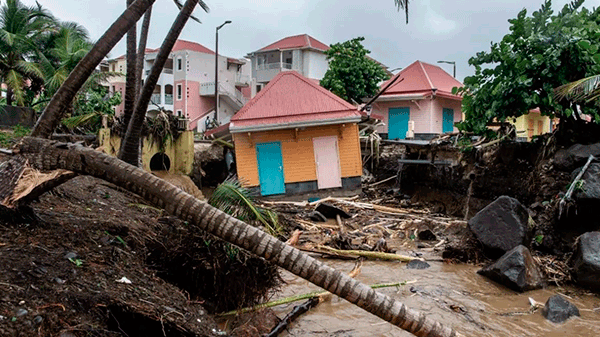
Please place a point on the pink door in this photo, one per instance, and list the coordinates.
(327, 160)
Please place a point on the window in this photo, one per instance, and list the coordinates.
(179, 92)
(114, 89)
(179, 113)
(258, 88)
(113, 68)
(179, 63)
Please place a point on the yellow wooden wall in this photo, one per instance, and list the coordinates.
(297, 152)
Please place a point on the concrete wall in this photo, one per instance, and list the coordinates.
(317, 66)
(531, 124)
(180, 153)
(16, 115)
(297, 152)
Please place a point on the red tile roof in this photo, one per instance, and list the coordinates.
(297, 42)
(421, 78)
(181, 45)
(193, 46)
(291, 99)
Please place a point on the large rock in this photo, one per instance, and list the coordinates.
(590, 189)
(558, 309)
(516, 269)
(501, 225)
(575, 156)
(587, 260)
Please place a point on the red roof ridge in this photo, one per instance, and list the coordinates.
(329, 105)
(426, 74)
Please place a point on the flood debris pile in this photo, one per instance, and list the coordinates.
(358, 227)
(91, 259)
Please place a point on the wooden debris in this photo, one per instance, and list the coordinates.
(292, 316)
(360, 253)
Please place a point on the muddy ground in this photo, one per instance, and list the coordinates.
(90, 259)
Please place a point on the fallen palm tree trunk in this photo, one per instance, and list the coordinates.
(301, 297)
(51, 155)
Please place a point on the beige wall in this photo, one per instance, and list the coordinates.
(180, 153)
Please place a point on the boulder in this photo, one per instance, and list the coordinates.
(516, 269)
(575, 156)
(587, 260)
(558, 309)
(417, 264)
(501, 226)
(331, 211)
(590, 189)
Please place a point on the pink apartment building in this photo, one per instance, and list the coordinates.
(186, 86)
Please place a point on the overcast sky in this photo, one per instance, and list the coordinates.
(437, 29)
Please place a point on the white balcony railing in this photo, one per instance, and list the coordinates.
(239, 78)
(275, 65)
(208, 89)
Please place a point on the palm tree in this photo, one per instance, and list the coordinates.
(65, 94)
(130, 78)
(141, 52)
(46, 155)
(583, 90)
(60, 52)
(20, 27)
(130, 144)
(402, 5)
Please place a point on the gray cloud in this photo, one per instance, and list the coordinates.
(437, 29)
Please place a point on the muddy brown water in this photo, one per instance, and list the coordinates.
(452, 294)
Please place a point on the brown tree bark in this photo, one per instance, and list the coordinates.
(131, 78)
(65, 94)
(49, 155)
(141, 52)
(130, 144)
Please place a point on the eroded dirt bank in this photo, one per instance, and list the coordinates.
(90, 259)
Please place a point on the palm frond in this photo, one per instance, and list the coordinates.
(75, 121)
(15, 81)
(232, 198)
(201, 3)
(586, 89)
(402, 5)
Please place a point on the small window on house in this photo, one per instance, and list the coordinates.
(179, 63)
(258, 87)
(179, 91)
(288, 60)
(113, 68)
(114, 89)
(179, 114)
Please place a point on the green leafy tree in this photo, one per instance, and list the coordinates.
(352, 75)
(543, 51)
(90, 107)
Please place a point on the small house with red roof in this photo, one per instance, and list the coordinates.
(419, 104)
(296, 137)
(302, 53)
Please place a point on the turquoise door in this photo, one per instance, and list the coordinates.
(398, 122)
(270, 168)
(448, 120)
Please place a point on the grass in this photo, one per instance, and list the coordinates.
(9, 137)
